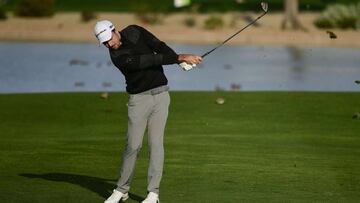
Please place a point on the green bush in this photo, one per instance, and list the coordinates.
(189, 22)
(340, 16)
(213, 22)
(35, 8)
(3, 15)
(235, 18)
(147, 16)
(87, 16)
(323, 23)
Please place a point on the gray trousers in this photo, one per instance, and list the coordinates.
(151, 111)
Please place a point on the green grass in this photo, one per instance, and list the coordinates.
(257, 147)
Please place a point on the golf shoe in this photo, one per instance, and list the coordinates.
(116, 196)
(152, 198)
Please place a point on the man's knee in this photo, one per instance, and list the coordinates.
(133, 148)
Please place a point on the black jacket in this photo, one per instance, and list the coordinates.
(140, 58)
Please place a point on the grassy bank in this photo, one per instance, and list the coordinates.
(257, 147)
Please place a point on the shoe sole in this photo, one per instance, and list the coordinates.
(124, 197)
(157, 201)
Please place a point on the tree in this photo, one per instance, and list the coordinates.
(291, 15)
(35, 8)
(3, 15)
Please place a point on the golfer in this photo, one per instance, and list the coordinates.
(139, 55)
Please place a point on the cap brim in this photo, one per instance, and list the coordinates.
(105, 36)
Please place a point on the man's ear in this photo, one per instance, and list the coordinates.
(115, 32)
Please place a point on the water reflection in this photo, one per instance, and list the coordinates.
(297, 63)
(52, 67)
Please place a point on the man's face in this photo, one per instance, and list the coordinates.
(114, 42)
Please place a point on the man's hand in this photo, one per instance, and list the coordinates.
(188, 61)
(189, 58)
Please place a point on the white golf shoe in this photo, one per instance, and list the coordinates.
(152, 198)
(116, 196)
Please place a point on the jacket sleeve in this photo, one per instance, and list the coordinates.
(133, 63)
(169, 55)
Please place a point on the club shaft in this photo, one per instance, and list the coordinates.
(207, 53)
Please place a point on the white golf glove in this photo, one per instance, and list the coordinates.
(186, 67)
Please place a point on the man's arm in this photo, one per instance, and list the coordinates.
(163, 55)
(160, 47)
(155, 44)
(132, 63)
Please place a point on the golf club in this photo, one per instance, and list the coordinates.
(264, 6)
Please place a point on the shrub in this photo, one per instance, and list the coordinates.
(87, 16)
(190, 22)
(213, 22)
(235, 18)
(340, 16)
(323, 23)
(35, 8)
(3, 15)
(147, 16)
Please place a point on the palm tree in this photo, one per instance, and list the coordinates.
(291, 15)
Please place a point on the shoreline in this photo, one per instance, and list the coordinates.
(187, 43)
(68, 28)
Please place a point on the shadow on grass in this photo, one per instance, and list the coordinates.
(98, 185)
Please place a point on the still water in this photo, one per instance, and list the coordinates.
(59, 67)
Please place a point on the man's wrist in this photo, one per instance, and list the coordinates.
(181, 58)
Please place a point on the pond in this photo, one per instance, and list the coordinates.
(79, 67)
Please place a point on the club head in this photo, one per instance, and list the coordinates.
(264, 6)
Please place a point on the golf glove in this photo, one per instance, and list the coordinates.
(186, 67)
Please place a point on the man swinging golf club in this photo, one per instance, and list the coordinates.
(139, 55)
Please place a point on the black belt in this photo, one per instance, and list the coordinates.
(156, 90)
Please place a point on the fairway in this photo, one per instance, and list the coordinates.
(257, 147)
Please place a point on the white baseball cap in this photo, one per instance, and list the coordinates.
(103, 30)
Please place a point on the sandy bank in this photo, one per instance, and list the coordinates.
(67, 27)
